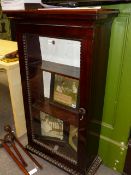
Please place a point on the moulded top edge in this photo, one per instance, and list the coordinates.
(81, 12)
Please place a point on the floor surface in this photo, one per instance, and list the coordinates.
(9, 167)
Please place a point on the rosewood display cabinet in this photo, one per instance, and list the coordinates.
(63, 64)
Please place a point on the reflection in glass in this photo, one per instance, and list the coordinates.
(60, 51)
(73, 137)
(54, 87)
(47, 83)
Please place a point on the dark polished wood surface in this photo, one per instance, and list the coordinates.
(63, 13)
(92, 29)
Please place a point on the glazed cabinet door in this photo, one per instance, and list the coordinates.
(56, 84)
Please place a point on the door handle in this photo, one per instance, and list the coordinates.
(82, 112)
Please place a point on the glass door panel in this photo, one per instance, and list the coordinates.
(61, 51)
(56, 135)
(54, 91)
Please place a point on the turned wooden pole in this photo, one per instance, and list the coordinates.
(7, 128)
(7, 148)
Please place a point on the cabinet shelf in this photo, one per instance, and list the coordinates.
(61, 69)
(69, 116)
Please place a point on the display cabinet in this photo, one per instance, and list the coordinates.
(63, 63)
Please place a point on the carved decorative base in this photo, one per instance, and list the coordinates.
(94, 166)
(90, 171)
